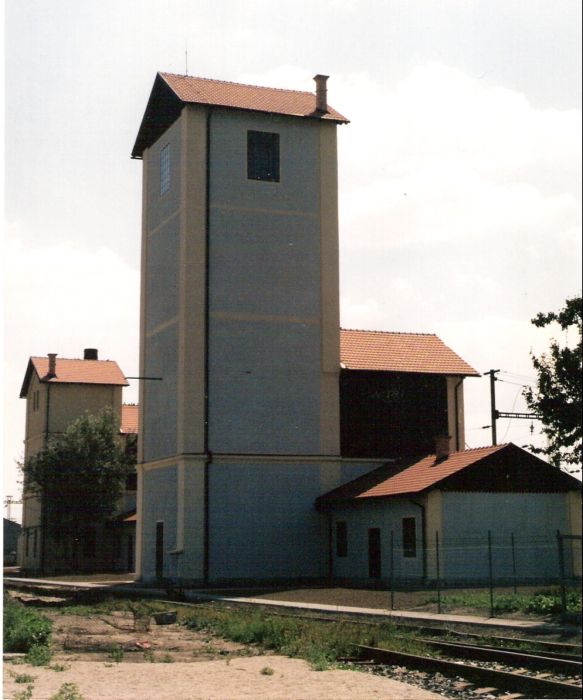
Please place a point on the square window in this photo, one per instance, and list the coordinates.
(409, 538)
(165, 169)
(263, 156)
(341, 539)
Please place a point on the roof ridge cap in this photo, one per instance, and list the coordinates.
(366, 330)
(233, 82)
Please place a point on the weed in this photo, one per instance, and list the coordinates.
(38, 655)
(320, 643)
(68, 691)
(267, 671)
(24, 694)
(23, 677)
(167, 659)
(116, 653)
(60, 667)
(149, 656)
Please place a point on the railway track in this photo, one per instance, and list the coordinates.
(493, 676)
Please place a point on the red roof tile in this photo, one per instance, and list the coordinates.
(399, 479)
(252, 97)
(75, 372)
(400, 352)
(129, 418)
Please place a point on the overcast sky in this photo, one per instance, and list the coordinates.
(460, 172)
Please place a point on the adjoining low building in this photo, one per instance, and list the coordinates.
(459, 516)
(11, 533)
(57, 392)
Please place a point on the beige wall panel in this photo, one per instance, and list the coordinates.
(330, 303)
(433, 520)
(191, 402)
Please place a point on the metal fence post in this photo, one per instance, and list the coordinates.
(513, 561)
(562, 572)
(438, 574)
(490, 573)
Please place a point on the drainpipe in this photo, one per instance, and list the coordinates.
(423, 537)
(208, 457)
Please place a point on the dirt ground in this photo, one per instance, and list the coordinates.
(107, 658)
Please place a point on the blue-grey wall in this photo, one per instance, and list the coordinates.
(264, 343)
(533, 519)
(159, 504)
(159, 398)
(263, 520)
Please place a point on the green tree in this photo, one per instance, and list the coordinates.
(556, 399)
(81, 474)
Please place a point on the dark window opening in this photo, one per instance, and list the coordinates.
(341, 539)
(263, 156)
(409, 538)
(159, 549)
(165, 170)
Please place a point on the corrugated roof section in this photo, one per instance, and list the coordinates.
(221, 93)
(80, 371)
(400, 352)
(130, 414)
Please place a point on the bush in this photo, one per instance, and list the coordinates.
(38, 655)
(23, 628)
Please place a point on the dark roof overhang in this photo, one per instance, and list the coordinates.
(163, 109)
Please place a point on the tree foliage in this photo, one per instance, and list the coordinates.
(556, 399)
(82, 473)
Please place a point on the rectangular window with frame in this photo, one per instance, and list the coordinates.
(165, 169)
(409, 538)
(341, 539)
(263, 156)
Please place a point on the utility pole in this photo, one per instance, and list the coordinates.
(493, 412)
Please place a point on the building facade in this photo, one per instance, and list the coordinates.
(57, 392)
(240, 340)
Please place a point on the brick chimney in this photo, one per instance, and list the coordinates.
(321, 93)
(90, 354)
(441, 448)
(52, 364)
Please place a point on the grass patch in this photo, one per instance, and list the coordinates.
(24, 628)
(546, 602)
(23, 677)
(319, 643)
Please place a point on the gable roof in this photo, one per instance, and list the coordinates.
(129, 418)
(171, 92)
(400, 352)
(73, 372)
(417, 475)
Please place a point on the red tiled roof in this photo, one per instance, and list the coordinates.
(395, 479)
(171, 92)
(129, 418)
(400, 352)
(252, 97)
(75, 372)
